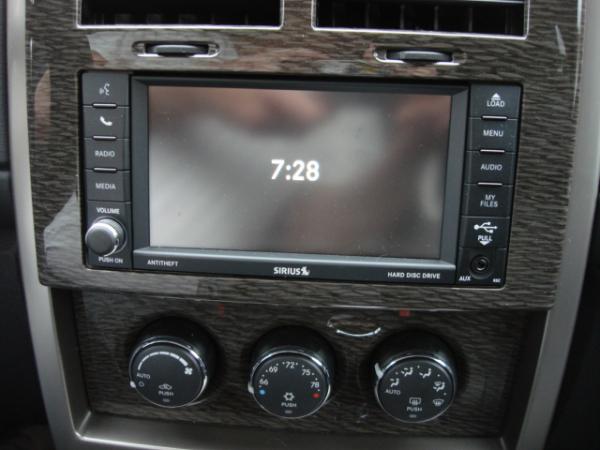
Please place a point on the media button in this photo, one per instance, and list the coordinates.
(490, 167)
(493, 134)
(490, 100)
(105, 122)
(108, 186)
(482, 200)
(484, 232)
(112, 154)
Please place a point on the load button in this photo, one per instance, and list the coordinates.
(495, 100)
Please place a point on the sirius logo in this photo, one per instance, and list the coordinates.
(292, 271)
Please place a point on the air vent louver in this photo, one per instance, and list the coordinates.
(501, 17)
(181, 12)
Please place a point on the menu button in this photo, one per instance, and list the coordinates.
(493, 134)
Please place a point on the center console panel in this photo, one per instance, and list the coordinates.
(469, 314)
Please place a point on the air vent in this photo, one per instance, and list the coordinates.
(181, 13)
(501, 17)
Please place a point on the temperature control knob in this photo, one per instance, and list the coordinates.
(414, 377)
(292, 372)
(172, 363)
(105, 237)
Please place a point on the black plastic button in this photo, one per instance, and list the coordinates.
(481, 266)
(487, 200)
(106, 154)
(105, 88)
(489, 100)
(493, 134)
(490, 167)
(112, 122)
(484, 232)
(109, 186)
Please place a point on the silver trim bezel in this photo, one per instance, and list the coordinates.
(380, 373)
(190, 351)
(312, 358)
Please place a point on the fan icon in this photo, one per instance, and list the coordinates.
(289, 397)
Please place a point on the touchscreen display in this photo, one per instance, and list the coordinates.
(298, 171)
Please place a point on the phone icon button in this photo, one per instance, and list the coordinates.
(111, 123)
(106, 122)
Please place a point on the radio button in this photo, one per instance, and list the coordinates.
(489, 100)
(109, 186)
(481, 266)
(493, 134)
(104, 122)
(484, 232)
(105, 88)
(487, 200)
(490, 167)
(106, 154)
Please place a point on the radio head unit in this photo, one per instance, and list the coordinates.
(359, 181)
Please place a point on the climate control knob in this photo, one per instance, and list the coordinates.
(292, 372)
(415, 377)
(172, 363)
(105, 237)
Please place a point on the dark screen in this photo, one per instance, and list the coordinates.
(298, 171)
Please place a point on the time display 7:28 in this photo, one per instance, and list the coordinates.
(298, 170)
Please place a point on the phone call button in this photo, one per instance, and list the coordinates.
(106, 122)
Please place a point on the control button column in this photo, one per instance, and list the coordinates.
(105, 118)
(490, 166)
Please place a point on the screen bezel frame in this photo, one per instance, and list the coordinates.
(319, 266)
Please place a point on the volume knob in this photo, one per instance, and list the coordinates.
(105, 237)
